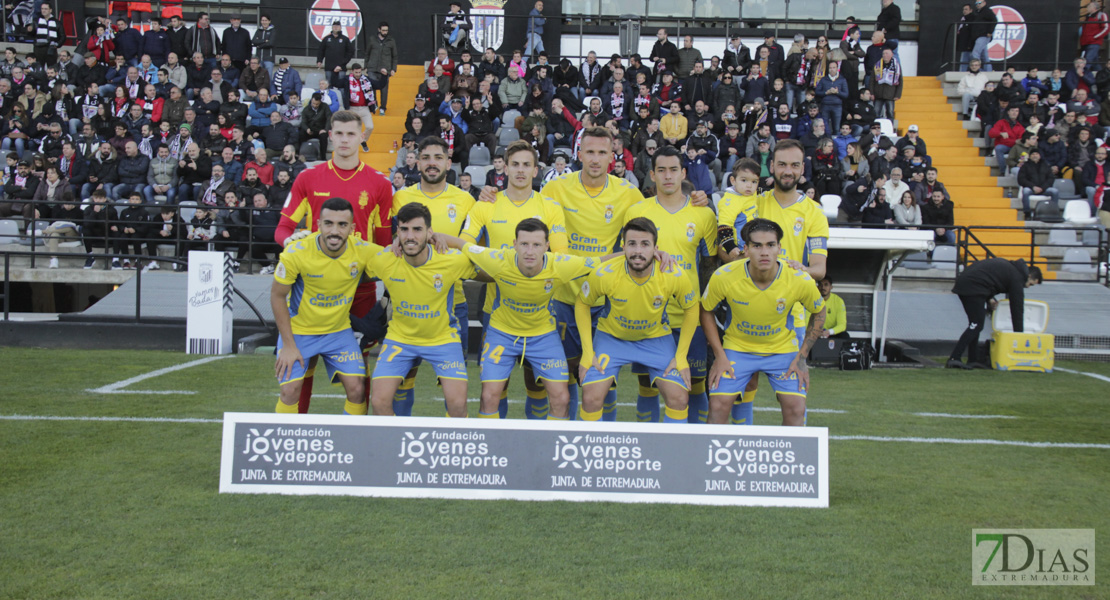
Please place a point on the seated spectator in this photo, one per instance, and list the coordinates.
(289, 162)
(971, 85)
(277, 136)
(706, 145)
(410, 171)
(283, 184)
(1095, 177)
(810, 139)
(877, 211)
(854, 164)
(132, 170)
(537, 138)
(285, 81)
(1019, 154)
(1086, 109)
(843, 140)
(48, 192)
(731, 147)
(825, 169)
(836, 316)
(194, 170)
(912, 138)
(1077, 78)
(762, 134)
(201, 230)
(1053, 151)
(907, 213)
(497, 177)
(479, 125)
(859, 194)
(315, 122)
(1035, 177)
(161, 177)
(697, 170)
(938, 216)
(467, 185)
(329, 96)
(455, 138)
(398, 181)
(1005, 133)
(923, 191)
(254, 79)
(674, 125)
(1081, 150)
(262, 165)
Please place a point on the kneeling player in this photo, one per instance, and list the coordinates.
(421, 284)
(633, 326)
(758, 293)
(521, 326)
(318, 274)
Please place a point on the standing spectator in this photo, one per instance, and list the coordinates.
(237, 42)
(336, 50)
(738, 58)
(1094, 30)
(536, 22)
(971, 85)
(889, 22)
(886, 84)
(775, 53)
(202, 38)
(381, 62)
(833, 92)
(938, 216)
(100, 46)
(263, 43)
(179, 38)
(664, 53)
(360, 98)
(688, 56)
(853, 53)
(982, 31)
(48, 36)
(965, 42)
(156, 43)
(976, 287)
(263, 223)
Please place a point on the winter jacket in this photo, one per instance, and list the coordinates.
(992, 276)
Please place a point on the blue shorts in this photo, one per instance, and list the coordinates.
(339, 350)
(568, 327)
(746, 365)
(654, 354)
(396, 359)
(544, 352)
(697, 356)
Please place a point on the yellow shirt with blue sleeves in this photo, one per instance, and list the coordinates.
(760, 320)
(520, 302)
(730, 209)
(593, 218)
(449, 210)
(423, 296)
(323, 286)
(688, 235)
(494, 224)
(804, 225)
(632, 310)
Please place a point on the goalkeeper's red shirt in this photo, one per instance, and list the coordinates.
(368, 191)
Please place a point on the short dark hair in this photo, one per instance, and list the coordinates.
(746, 164)
(643, 224)
(760, 225)
(383, 24)
(1035, 273)
(432, 141)
(414, 210)
(522, 146)
(787, 144)
(666, 150)
(336, 204)
(530, 225)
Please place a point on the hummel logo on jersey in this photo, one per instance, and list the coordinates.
(740, 302)
(321, 194)
(313, 276)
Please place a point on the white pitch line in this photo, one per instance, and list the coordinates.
(953, 416)
(863, 438)
(1095, 375)
(918, 440)
(629, 404)
(117, 387)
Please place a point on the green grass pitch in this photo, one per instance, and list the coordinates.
(111, 509)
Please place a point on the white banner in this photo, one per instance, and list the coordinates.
(208, 313)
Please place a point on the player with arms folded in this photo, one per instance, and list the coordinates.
(421, 283)
(449, 207)
(371, 198)
(314, 286)
(757, 293)
(521, 326)
(494, 225)
(689, 234)
(633, 327)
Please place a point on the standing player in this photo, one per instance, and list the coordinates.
(318, 275)
(344, 176)
(494, 224)
(421, 283)
(689, 234)
(804, 245)
(449, 207)
(520, 325)
(633, 325)
(759, 330)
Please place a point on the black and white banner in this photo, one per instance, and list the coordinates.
(419, 457)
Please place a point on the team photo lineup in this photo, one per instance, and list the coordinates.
(582, 278)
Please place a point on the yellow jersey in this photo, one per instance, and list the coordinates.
(804, 225)
(729, 210)
(449, 210)
(520, 303)
(423, 296)
(688, 234)
(635, 310)
(760, 321)
(323, 286)
(594, 218)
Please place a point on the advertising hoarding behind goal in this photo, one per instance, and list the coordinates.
(420, 457)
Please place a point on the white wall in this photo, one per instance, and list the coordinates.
(607, 45)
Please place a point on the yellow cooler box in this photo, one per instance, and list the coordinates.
(1033, 350)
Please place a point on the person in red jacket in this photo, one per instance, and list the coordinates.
(1005, 133)
(1095, 27)
(101, 45)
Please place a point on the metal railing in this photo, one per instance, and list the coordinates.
(1034, 30)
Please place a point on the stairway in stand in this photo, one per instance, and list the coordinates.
(389, 128)
(978, 198)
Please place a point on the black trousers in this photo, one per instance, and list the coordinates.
(381, 83)
(976, 309)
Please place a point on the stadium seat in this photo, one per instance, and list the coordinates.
(886, 127)
(40, 228)
(187, 210)
(478, 174)
(1089, 237)
(586, 103)
(509, 117)
(830, 204)
(1062, 237)
(1047, 212)
(310, 150)
(479, 156)
(306, 94)
(1066, 187)
(946, 256)
(507, 136)
(9, 232)
(1076, 260)
(917, 261)
(565, 152)
(1078, 212)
